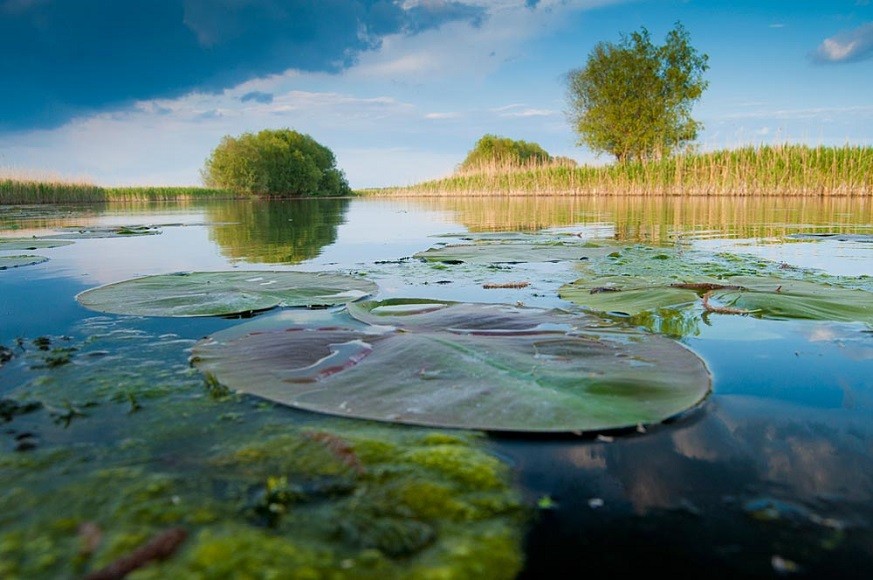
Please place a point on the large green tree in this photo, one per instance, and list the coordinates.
(633, 99)
(275, 163)
(491, 149)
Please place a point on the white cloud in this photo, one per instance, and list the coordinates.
(441, 116)
(382, 131)
(849, 46)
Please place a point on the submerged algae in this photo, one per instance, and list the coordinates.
(128, 477)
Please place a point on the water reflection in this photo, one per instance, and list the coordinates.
(661, 219)
(275, 231)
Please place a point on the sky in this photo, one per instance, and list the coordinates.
(139, 92)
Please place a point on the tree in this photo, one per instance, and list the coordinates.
(633, 99)
(491, 149)
(281, 163)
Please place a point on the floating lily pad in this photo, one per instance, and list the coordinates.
(19, 244)
(797, 299)
(7, 262)
(648, 283)
(456, 365)
(766, 297)
(513, 252)
(104, 232)
(223, 293)
(834, 236)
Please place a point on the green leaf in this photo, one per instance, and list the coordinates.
(84, 233)
(223, 293)
(457, 365)
(797, 299)
(512, 253)
(19, 244)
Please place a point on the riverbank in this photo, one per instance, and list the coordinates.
(787, 170)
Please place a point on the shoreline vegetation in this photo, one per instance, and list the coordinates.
(784, 170)
(781, 170)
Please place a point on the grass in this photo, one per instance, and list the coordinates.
(783, 170)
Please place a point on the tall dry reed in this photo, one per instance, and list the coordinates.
(783, 170)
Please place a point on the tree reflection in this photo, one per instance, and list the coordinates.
(275, 231)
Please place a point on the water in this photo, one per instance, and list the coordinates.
(771, 476)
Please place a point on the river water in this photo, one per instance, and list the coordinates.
(772, 475)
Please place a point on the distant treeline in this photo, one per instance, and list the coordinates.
(764, 170)
(27, 191)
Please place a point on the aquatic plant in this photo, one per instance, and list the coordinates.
(476, 366)
(649, 284)
(223, 293)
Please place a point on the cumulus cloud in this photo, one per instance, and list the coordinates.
(849, 46)
(62, 59)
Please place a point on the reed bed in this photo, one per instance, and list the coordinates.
(165, 193)
(783, 170)
(22, 191)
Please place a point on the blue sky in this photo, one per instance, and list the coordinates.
(138, 92)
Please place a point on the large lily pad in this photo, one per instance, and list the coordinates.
(223, 293)
(7, 262)
(507, 252)
(18, 244)
(456, 365)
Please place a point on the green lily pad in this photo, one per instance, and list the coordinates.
(489, 367)
(640, 281)
(868, 238)
(513, 252)
(765, 297)
(19, 244)
(81, 233)
(797, 299)
(223, 293)
(7, 262)
(627, 296)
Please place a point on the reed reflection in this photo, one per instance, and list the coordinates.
(662, 219)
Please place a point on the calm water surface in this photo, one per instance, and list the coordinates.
(772, 476)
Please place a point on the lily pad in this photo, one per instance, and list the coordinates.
(7, 262)
(636, 280)
(78, 233)
(868, 238)
(19, 244)
(489, 367)
(223, 293)
(513, 252)
(765, 297)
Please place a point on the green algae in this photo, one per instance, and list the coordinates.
(346, 499)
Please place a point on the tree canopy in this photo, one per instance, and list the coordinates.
(633, 99)
(491, 149)
(276, 163)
